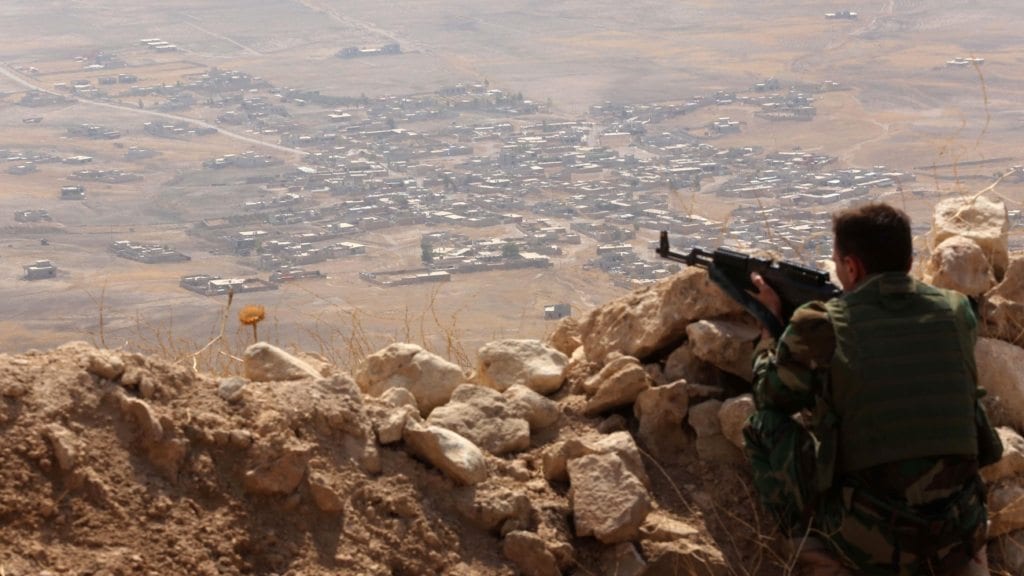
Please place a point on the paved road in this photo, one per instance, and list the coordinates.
(5, 70)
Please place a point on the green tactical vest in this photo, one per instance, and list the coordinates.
(903, 374)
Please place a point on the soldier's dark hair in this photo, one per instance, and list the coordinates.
(877, 234)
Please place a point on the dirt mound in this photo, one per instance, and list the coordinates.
(125, 464)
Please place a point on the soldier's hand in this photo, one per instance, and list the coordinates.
(766, 295)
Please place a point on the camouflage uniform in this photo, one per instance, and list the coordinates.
(910, 517)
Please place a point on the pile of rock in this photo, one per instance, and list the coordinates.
(969, 243)
(630, 365)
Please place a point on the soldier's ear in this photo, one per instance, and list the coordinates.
(855, 269)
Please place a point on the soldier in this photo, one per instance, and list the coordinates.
(877, 472)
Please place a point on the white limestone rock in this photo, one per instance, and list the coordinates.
(105, 364)
(531, 363)
(660, 412)
(318, 362)
(557, 456)
(482, 416)
(662, 528)
(685, 556)
(674, 546)
(733, 415)
(566, 336)
(975, 217)
(618, 389)
(959, 264)
(1012, 285)
(281, 474)
(529, 552)
(494, 508)
(264, 362)
(613, 364)
(325, 495)
(454, 455)
(726, 344)
(390, 412)
(1002, 319)
(624, 446)
(1002, 308)
(143, 415)
(1012, 462)
(999, 372)
(579, 370)
(650, 319)
(232, 388)
(430, 378)
(608, 501)
(399, 397)
(390, 424)
(540, 411)
(65, 445)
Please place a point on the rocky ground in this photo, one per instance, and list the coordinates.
(612, 448)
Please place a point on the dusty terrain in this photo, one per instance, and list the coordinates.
(152, 472)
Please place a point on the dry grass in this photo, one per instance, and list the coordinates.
(340, 334)
(751, 543)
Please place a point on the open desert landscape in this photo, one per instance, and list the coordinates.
(926, 90)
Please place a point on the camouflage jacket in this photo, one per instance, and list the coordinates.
(792, 373)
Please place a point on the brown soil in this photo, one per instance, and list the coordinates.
(156, 472)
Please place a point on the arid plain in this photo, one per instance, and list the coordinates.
(900, 104)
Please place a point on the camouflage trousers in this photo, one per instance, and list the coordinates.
(868, 534)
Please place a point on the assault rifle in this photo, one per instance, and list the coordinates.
(730, 270)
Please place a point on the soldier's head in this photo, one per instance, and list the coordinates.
(870, 239)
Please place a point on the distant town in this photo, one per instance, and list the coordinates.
(466, 156)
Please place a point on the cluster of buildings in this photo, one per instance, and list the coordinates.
(278, 255)
(608, 177)
(26, 161)
(468, 156)
(38, 99)
(176, 130)
(208, 285)
(147, 253)
(248, 159)
(37, 215)
(94, 132)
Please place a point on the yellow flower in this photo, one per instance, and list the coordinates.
(252, 314)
